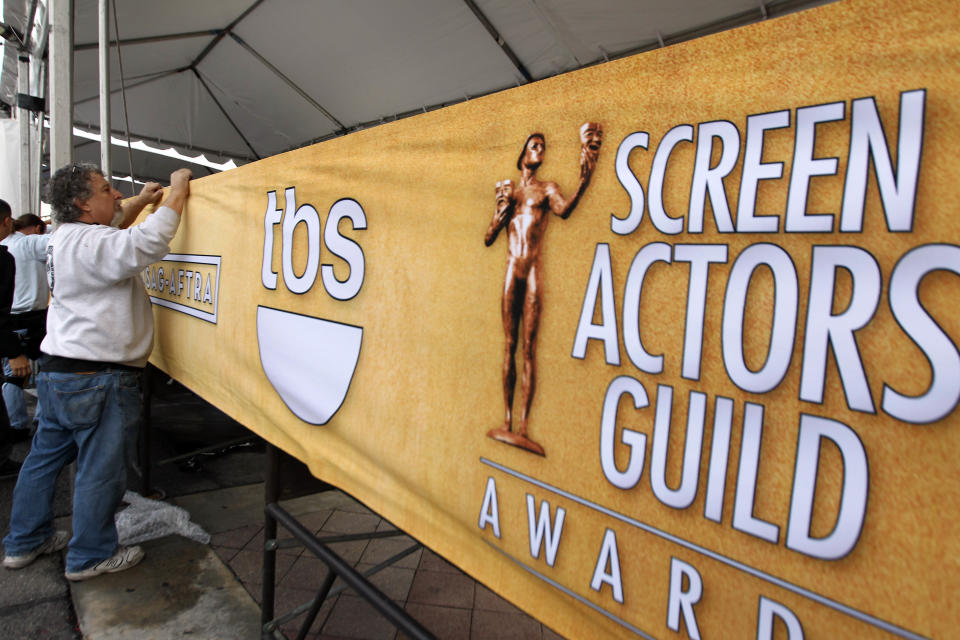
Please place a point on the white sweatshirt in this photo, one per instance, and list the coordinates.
(99, 309)
(30, 289)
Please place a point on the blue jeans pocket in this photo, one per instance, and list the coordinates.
(79, 408)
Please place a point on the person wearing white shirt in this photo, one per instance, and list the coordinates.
(99, 336)
(28, 315)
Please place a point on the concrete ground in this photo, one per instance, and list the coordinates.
(212, 591)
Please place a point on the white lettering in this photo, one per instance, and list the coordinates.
(634, 440)
(272, 216)
(607, 569)
(719, 458)
(292, 216)
(942, 396)
(867, 140)
(710, 180)
(770, 609)
(541, 532)
(344, 248)
(824, 328)
(784, 318)
(743, 518)
(490, 511)
(755, 170)
(805, 166)
(625, 226)
(641, 359)
(681, 497)
(853, 496)
(700, 256)
(601, 281)
(663, 222)
(682, 599)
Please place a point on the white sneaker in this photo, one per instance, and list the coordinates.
(57, 540)
(123, 559)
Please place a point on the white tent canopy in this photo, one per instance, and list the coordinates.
(247, 79)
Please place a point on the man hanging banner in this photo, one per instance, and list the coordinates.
(663, 346)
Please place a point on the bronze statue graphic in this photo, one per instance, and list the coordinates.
(524, 208)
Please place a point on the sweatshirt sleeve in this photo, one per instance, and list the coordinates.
(123, 253)
(36, 246)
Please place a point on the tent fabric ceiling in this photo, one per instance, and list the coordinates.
(246, 79)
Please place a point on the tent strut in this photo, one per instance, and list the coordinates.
(83, 46)
(552, 28)
(223, 32)
(225, 114)
(303, 94)
(153, 77)
(498, 39)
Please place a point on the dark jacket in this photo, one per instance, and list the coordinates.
(10, 346)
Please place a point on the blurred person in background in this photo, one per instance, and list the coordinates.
(30, 224)
(9, 347)
(27, 244)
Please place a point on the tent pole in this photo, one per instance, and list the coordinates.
(104, 50)
(61, 85)
(23, 124)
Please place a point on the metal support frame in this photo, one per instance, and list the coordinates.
(223, 32)
(550, 27)
(271, 495)
(212, 449)
(145, 438)
(60, 68)
(290, 83)
(103, 24)
(23, 125)
(498, 39)
(218, 36)
(85, 46)
(224, 112)
(149, 77)
(274, 514)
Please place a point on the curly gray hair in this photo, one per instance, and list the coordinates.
(68, 184)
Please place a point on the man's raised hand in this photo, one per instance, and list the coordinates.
(151, 193)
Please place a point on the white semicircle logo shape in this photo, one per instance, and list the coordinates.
(309, 361)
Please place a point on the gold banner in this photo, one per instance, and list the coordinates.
(716, 397)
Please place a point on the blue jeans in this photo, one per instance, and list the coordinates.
(13, 397)
(85, 417)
